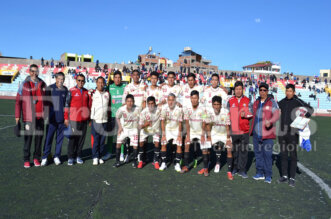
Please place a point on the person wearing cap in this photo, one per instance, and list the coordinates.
(265, 115)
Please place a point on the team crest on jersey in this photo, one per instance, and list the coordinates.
(76, 95)
(125, 116)
(267, 107)
(233, 105)
(244, 104)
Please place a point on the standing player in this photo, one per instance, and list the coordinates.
(195, 116)
(137, 89)
(214, 90)
(153, 90)
(171, 125)
(188, 88)
(218, 133)
(170, 87)
(116, 91)
(149, 126)
(127, 118)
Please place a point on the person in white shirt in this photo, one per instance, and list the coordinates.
(154, 90)
(188, 88)
(137, 89)
(100, 112)
(171, 126)
(218, 133)
(149, 126)
(195, 116)
(214, 90)
(127, 118)
(171, 87)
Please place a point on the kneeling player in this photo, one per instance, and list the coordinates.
(171, 125)
(194, 117)
(149, 125)
(218, 133)
(127, 118)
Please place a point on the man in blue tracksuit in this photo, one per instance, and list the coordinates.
(56, 96)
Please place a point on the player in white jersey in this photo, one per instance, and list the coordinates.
(137, 89)
(171, 125)
(153, 90)
(149, 126)
(195, 116)
(127, 117)
(188, 88)
(171, 87)
(218, 133)
(214, 90)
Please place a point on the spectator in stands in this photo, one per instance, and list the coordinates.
(56, 95)
(30, 104)
(265, 115)
(42, 61)
(290, 107)
(77, 114)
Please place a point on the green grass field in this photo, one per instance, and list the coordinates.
(105, 192)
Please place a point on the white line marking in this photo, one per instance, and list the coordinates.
(7, 127)
(7, 115)
(316, 178)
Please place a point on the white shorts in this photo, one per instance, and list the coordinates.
(128, 133)
(172, 135)
(144, 135)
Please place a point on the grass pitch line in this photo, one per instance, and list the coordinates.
(7, 127)
(317, 179)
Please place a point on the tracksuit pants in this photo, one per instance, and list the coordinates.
(263, 155)
(98, 137)
(33, 129)
(288, 145)
(76, 141)
(112, 136)
(240, 151)
(51, 129)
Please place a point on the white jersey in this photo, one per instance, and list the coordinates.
(210, 92)
(166, 90)
(129, 120)
(172, 118)
(218, 123)
(186, 93)
(138, 91)
(154, 118)
(196, 117)
(157, 93)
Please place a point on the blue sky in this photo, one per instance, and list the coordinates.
(232, 34)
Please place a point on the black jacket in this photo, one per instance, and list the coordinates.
(289, 110)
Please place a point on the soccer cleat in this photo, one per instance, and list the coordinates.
(291, 182)
(44, 162)
(95, 161)
(117, 164)
(283, 179)
(177, 167)
(36, 162)
(200, 172)
(156, 165)
(122, 157)
(57, 161)
(217, 168)
(101, 161)
(106, 156)
(26, 164)
(184, 169)
(243, 175)
(70, 162)
(141, 164)
(79, 160)
(195, 164)
(230, 177)
(234, 171)
(163, 166)
(267, 179)
(206, 172)
(134, 164)
(258, 177)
